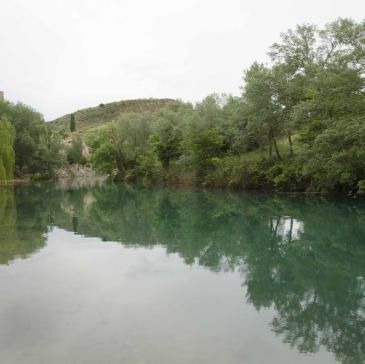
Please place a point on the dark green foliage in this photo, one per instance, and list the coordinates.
(29, 127)
(74, 153)
(336, 159)
(204, 145)
(124, 147)
(49, 152)
(263, 107)
(72, 123)
(37, 147)
(103, 158)
(167, 137)
(7, 156)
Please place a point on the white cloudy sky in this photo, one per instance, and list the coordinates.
(62, 55)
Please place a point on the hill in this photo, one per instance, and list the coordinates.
(104, 113)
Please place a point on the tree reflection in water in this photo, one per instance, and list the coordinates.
(304, 257)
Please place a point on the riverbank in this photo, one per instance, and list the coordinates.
(79, 176)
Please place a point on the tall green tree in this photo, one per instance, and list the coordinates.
(31, 135)
(72, 123)
(28, 125)
(50, 154)
(167, 137)
(264, 112)
(7, 155)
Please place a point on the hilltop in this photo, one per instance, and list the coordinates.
(104, 113)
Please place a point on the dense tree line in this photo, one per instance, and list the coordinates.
(299, 123)
(28, 145)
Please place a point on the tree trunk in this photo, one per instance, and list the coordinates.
(120, 162)
(291, 230)
(290, 144)
(276, 149)
(276, 227)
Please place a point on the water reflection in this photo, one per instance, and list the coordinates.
(287, 228)
(304, 257)
(24, 220)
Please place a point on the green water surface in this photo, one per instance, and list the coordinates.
(118, 274)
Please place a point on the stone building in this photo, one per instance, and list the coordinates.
(1, 95)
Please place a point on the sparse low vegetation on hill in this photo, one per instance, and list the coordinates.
(104, 113)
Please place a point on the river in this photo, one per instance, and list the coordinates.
(121, 274)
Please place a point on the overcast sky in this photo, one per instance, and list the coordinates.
(60, 56)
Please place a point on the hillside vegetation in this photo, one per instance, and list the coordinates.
(104, 113)
(298, 125)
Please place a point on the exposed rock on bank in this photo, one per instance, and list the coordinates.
(78, 176)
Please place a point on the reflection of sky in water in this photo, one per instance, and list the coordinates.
(79, 300)
(288, 228)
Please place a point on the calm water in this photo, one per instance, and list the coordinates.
(115, 274)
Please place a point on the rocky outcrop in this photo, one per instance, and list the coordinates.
(78, 176)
